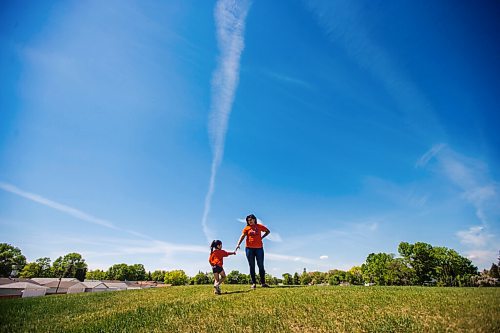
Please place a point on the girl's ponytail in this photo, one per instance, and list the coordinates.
(214, 244)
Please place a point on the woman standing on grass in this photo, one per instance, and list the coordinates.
(254, 248)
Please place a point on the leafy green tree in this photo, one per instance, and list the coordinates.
(176, 278)
(305, 278)
(39, 268)
(441, 265)
(355, 275)
(45, 267)
(398, 273)
(271, 280)
(136, 272)
(233, 277)
(80, 274)
(494, 272)
(31, 270)
(451, 268)
(318, 277)
(96, 275)
(210, 276)
(296, 279)
(158, 275)
(420, 257)
(376, 268)
(201, 278)
(118, 272)
(287, 279)
(244, 278)
(68, 265)
(335, 276)
(10, 256)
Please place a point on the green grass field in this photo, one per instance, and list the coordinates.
(239, 309)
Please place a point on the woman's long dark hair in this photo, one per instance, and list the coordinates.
(251, 216)
(214, 244)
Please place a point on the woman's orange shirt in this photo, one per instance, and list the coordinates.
(216, 257)
(254, 238)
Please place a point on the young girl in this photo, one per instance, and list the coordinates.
(216, 260)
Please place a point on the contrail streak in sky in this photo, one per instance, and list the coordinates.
(230, 18)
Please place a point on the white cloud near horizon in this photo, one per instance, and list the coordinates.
(230, 18)
(324, 257)
(475, 236)
(124, 247)
(477, 188)
(145, 245)
(470, 176)
(57, 206)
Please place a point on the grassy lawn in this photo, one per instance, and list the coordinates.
(239, 309)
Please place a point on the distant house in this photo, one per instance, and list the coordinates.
(22, 289)
(65, 287)
(12, 280)
(44, 281)
(95, 286)
(133, 285)
(116, 285)
(148, 284)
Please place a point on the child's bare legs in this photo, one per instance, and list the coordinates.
(222, 277)
(217, 281)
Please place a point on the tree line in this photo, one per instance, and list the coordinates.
(417, 264)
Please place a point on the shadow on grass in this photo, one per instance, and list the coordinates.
(236, 292)
(249, 290)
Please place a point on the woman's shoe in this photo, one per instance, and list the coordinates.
(253, 286)
(265, 285)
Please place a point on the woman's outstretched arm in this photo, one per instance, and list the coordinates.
(239, 241)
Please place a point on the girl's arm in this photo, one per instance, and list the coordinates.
(239, 242)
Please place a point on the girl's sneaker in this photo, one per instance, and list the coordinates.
(216, 290)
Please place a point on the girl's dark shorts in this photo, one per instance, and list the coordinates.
(217, 269)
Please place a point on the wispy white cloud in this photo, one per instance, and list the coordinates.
(345, 24)
(57, 206)
(289, 80)
(470, 176)
(425, 158)
(230, 18)
(484, 257)
(324, 257)
(476, 236)
(477, 188)
(145, 244)
(297, 259)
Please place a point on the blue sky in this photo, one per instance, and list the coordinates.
(137, 131)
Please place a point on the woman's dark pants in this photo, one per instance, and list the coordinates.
(258, 254)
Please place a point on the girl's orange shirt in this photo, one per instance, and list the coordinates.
(254, 238)
(216, 257)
